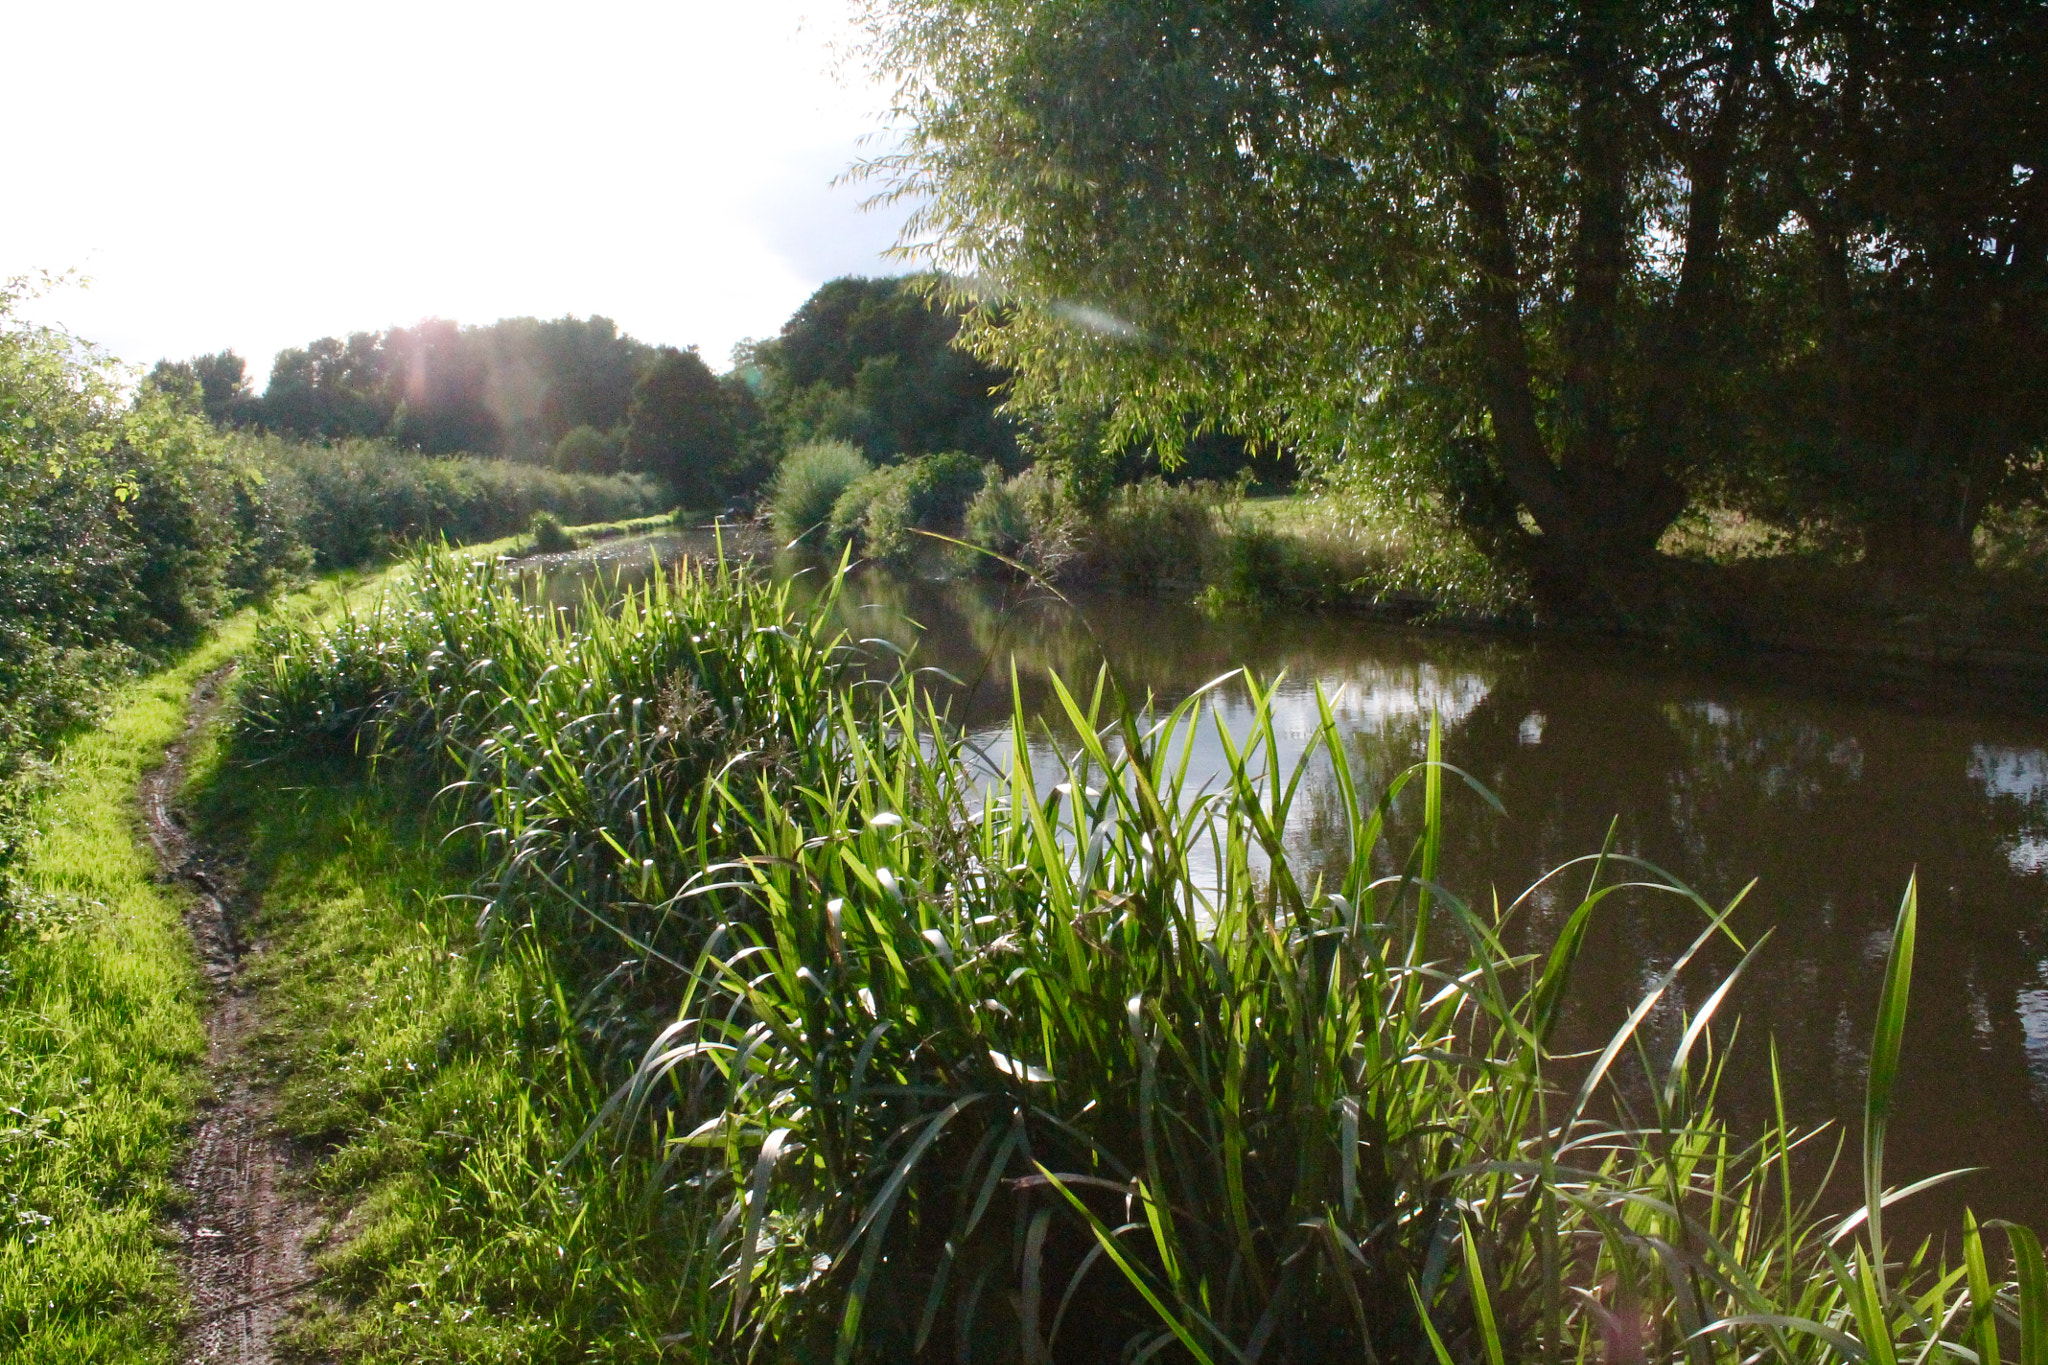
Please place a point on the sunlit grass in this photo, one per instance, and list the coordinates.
(959, 1071)
(100, 1033)
(442, 1084)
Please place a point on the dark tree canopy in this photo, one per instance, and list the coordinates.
(331, 388)
(1910, 142)
(872, 361)
(550, 377)
(446, 400)
(219, 383)
(512, 388)
(692, 430)
(1550, 263)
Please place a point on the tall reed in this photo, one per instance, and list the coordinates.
(969, 1068)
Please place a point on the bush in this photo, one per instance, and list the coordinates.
(1030, 519)
(549, 538)
(1344, 549)
(1155, 533)
(884, 510)
(586, 450)
(808, 486)
(360, 498)
(125, 527)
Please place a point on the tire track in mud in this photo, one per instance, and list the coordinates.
(246, 1226)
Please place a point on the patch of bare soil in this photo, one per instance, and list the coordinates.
(247, 1221)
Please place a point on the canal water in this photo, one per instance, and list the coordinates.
(1828, 796)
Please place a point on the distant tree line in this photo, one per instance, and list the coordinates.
(868, 361)
(511, 389)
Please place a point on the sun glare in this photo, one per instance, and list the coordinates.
(256, 175)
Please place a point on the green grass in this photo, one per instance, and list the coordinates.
(100, 1030)
(102, 1033)
(1094, 1072)
(441, 1082)
(101, 1021)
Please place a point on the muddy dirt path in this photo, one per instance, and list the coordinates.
(246, 1224)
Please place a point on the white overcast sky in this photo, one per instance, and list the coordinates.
(257, 173)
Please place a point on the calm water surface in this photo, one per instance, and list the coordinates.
(1829, 801)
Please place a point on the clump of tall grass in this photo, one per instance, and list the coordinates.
(1152, 534)
(550, 537)
(966, 1067)
(580, 743)
(809, 483)
(1091, 1073)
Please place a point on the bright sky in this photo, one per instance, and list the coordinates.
(254, 174)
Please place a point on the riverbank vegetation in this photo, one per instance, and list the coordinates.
(129, 524)
(1566, 275)
(781, 1027)
(1775, 539)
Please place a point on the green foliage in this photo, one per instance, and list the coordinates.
(809, 484)
(1562, 268)
(586, 450)
(693, 431)
(100, 1033)
(549, 538)
(218, 383)
(125, 527)
(985, 1062)
(331, 390)
(1031, 520)
(358, 500)
(1155, 534)
(871, 361)
(515, 387)
(883, 510)
(708, 675)
(1909, 394)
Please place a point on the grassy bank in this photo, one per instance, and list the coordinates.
(911, 1068)
(100, 1030)
(101, 1027)
(1722, 586)
(440, 1080)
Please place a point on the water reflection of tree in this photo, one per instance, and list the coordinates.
(1830, 805)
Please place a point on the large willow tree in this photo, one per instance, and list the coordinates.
(1561, 265)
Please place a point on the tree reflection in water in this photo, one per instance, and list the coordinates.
(1828, 802)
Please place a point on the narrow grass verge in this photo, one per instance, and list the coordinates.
(101, 1034)
(440, 1084)
(100, 1030)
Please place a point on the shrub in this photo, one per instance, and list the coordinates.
(1154, 533)
(360, 498)
(884, 510)
(586, 450)
(549, 537)
(1030, 519)
(1357, 550)
(809, 484)
(125, 526)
